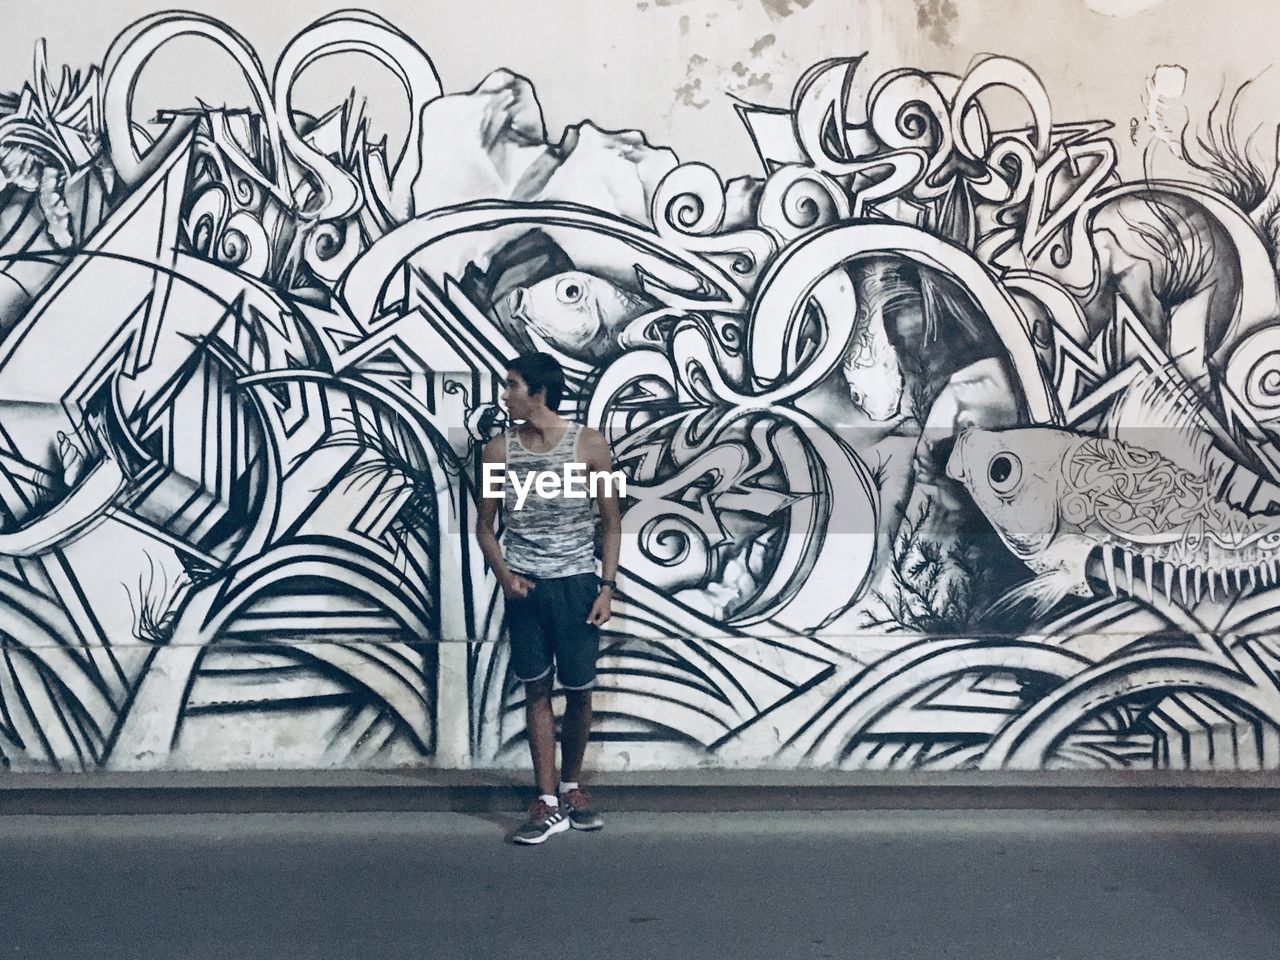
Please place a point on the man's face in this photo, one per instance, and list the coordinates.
(516, 396)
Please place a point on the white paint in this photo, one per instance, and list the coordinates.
(1122, 8)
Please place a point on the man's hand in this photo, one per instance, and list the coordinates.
(602, 609)
(516, 587)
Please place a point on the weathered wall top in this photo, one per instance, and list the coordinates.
(947, 403)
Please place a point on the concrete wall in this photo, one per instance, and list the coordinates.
(948, 412)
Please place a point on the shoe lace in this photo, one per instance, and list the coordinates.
(539, 810)
(577, 799)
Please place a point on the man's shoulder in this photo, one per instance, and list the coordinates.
(496, 448)
(592, 435)
(593, 445)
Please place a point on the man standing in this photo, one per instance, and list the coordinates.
(555, 603)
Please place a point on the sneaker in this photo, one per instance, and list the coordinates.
(581, 816)
(543, 822)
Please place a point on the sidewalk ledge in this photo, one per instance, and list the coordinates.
(708, 790)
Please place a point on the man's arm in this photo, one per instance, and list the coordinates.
(495, 452)
(599, 460)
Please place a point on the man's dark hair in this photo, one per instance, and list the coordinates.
(541, 371)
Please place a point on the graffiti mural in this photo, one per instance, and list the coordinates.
(947, 447)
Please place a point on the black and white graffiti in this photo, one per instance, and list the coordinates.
(946, 446)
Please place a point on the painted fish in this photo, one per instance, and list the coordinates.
(1054, 496)
(577, 312)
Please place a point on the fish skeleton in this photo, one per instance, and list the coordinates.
(1053, 496)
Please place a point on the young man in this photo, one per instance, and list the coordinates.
(547, 568)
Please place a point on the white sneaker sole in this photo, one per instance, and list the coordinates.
(555, 828)
(599, 825)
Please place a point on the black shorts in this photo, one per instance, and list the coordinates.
(549, 629)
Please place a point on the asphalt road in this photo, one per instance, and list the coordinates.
(793, 886)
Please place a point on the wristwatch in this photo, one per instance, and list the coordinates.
(612, 584)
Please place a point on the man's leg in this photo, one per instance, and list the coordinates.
(531, 658)
(574, 732)
(573, 744)
(546, 817)
(578, 646)
(540, 721)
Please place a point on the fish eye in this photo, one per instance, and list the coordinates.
(1004, 472)
(569, 291)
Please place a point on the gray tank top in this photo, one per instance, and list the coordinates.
(547, 537)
